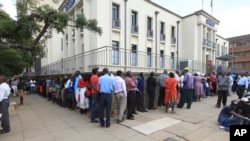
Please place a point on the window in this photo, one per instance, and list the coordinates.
(172, 60)
(134, 22)
(115, 52)
(134, 55)
(161, 58)
(115, 12)
(115, 16)
(149, 27)
(73, 32)
(173, 39)
(134, 18)
(162, 31)
(162, 28)
(61, 44)
(149, 57)
(149, 24)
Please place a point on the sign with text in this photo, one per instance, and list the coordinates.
(239, 132)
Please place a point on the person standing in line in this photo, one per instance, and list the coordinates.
(140, 93)
(4, 105)
(131, 95)
(242, 85)
(120, 95)
(76, 88)
(14, 84)
(151, 85)
(223, 82)
(170, 98)
(94, 94)
(187, 89)
(20, 88)
(213, 83)
(161, 82)
(106, 87)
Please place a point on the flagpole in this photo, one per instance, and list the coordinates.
(202, 4)
(211, 7)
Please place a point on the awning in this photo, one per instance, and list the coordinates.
(226, 57)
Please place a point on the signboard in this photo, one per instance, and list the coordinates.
(210, 22)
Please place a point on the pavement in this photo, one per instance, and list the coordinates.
(41, 120)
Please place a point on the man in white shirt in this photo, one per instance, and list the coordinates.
(4, 105)
(120, 95)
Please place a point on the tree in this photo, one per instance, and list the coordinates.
(21, 38)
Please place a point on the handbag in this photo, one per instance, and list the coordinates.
(171, 103)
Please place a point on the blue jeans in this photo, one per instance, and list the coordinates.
(94, 106)
(232, 121)
(105, 104)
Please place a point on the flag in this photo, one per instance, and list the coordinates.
(211, 3)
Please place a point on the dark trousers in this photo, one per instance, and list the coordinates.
(151, 93)
(140, 101)
(186, 96)
(161, 96)
(5, 122)
(240, 90)
(222, 96)
(105, 104)
(94, 106)
(131, 102)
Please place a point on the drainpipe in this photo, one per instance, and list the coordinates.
(125, 35)
(156, 49)
(177, 46)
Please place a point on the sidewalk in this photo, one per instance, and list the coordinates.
(41, 120)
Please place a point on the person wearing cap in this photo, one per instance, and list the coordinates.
(4, 105)
(187, 89)
(94, 94)
(106, 85)
(228, 116)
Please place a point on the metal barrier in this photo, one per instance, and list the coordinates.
(121, 59)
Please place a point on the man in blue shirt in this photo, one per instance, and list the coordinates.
(242, 85)
(228, 116)
(106, 86)
(140, 93)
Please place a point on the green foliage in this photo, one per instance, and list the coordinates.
(14, 61)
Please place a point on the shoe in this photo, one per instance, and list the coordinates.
(108, 125)
(135, 113)
(95, 121)
(102, 125)
(145, 111)
(3, 131)
(217, 106)
(119, 121)
(131, 118)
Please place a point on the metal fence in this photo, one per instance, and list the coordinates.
(121, 59)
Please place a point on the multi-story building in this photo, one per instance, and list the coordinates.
(140, 36)
(239, 47)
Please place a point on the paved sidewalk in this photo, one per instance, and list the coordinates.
(41, 120)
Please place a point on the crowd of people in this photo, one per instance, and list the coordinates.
(92, 93)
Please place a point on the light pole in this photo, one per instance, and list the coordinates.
(156, 49)
(177, 45)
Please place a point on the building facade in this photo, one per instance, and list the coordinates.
(239, 47)
(140, 36)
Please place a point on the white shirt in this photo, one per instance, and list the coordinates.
(4, 91)
(67, 84)
(120, 85)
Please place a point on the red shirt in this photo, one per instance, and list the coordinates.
(94, 82)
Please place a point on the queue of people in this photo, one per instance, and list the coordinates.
(93, 93)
